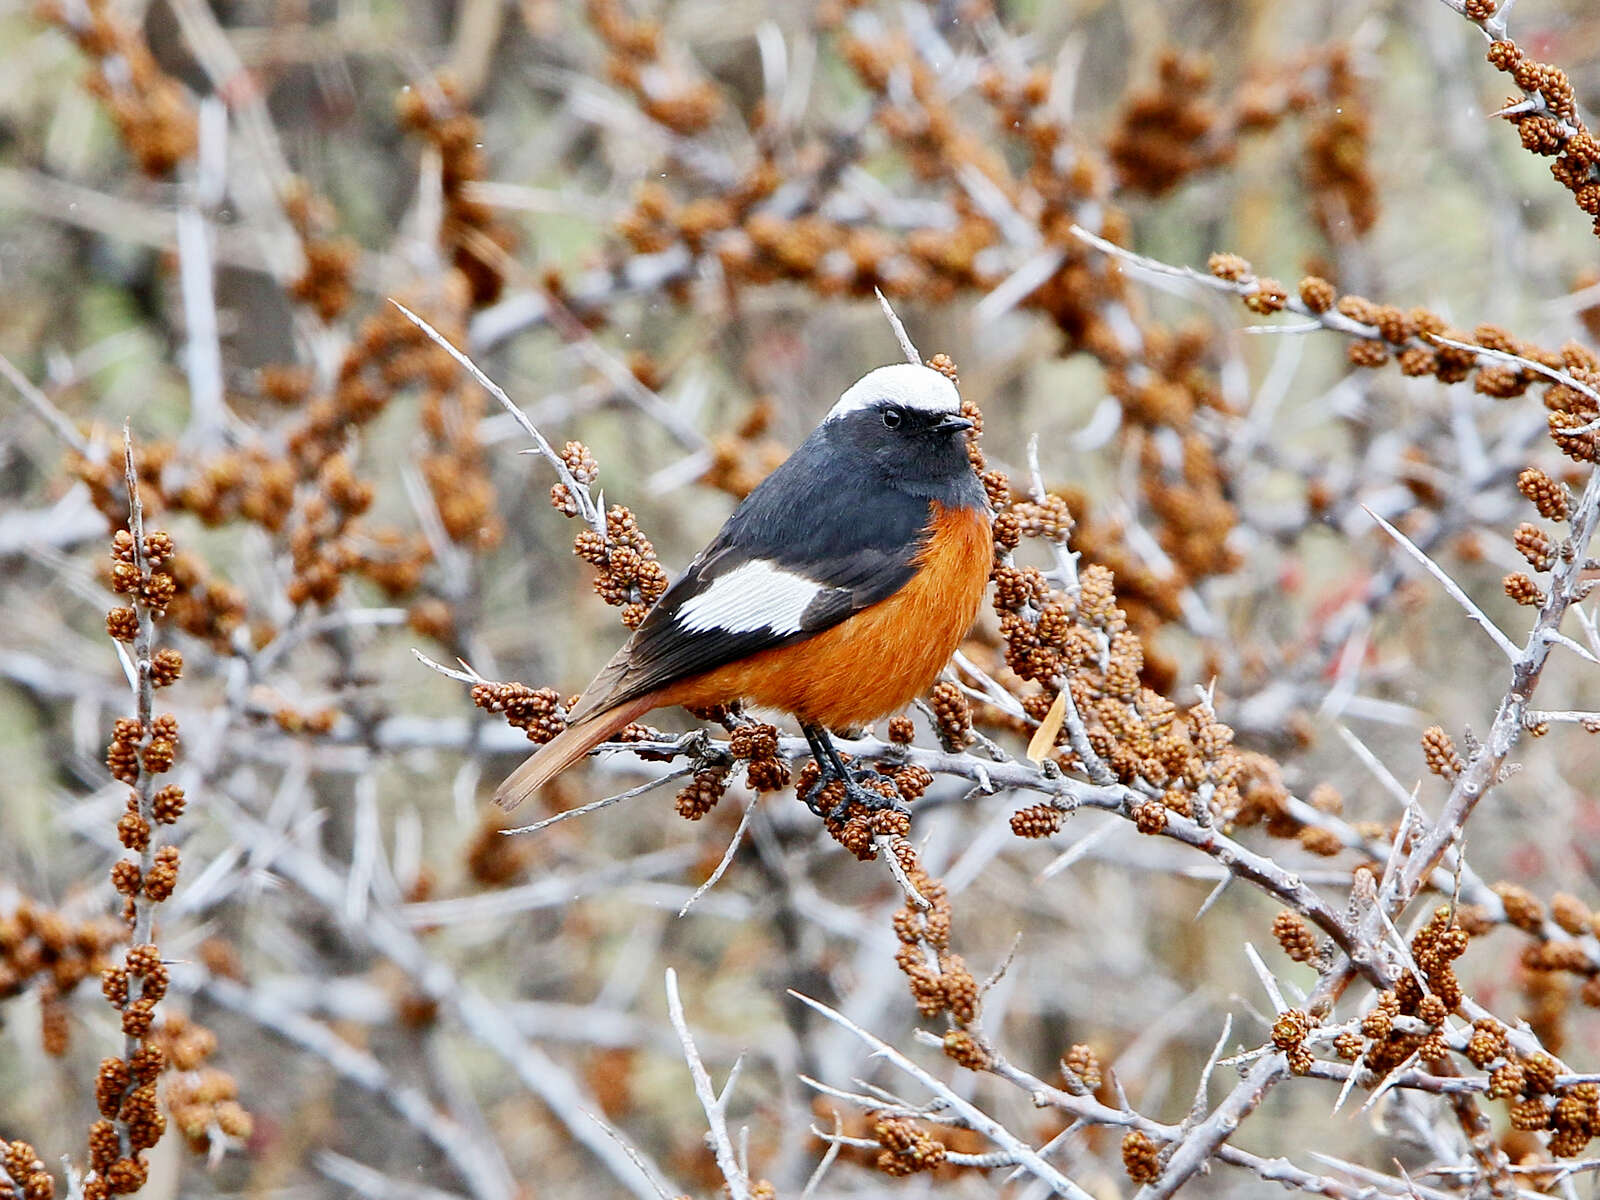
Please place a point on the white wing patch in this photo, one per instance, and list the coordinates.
(754, 595)
(903, 384)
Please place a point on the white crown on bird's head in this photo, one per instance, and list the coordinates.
(905, 385)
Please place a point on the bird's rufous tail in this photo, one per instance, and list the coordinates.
(566, 748)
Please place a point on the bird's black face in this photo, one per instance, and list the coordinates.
(912, 449)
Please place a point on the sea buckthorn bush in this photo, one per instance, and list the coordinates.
(1261, 790)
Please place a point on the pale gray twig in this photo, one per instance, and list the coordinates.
(715, 1106)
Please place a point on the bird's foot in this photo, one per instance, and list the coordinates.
(860, 791)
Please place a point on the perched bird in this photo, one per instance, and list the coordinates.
(836, 591)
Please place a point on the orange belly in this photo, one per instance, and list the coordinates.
(881, 658)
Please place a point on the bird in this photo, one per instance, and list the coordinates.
(835, 592)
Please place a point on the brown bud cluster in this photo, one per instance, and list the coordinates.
(1295, 936)
(700, 795)
(1168, 131)
(1290, 1029)
(247, 482)
(1337, 164)
(1571, 914)
(476, 241)
(1230, 267)
(1523, 908)
(860, 826)
(1049, 519)
(131, 1113)
(1150, 816)
(1134, 732)
(1551, 126)
(939, 979)
(742, 459)
(162, 877)
(202, 1099)
(629, 576)
(907, 1148)
(327, 282)
(122, 624)
(1430, 999)
(26, 1171)
(1317, 294)
(536, 710)
(152, 111)
(960, 1045)
(1141, 1157)
(1551, 498)
(1523, 590)
(952, 716)
(1487, 1043)
(54, 952)
(662, 87)
(1036, 821)
(1439, 752)
(1535, 546)
(757, 746)
(1083, 1065)
(492, 859)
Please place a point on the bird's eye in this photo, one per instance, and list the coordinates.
(892, 418)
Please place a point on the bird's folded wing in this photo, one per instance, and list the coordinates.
(729, 605)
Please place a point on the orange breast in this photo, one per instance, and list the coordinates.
(878, 660)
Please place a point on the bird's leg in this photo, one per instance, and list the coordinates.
(832, 769)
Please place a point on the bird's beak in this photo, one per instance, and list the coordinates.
(951, 424)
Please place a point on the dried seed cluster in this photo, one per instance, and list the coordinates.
(1338, 160)
(662, 83)
(907, 1148)
(1185, 762)
(939, 979)
(1439, 752)
(1172, 130)
(961, 1046)
(1037, 821)
(857, 827)
(952, 716)
(1549, 124)
(22, 1174)
(630, 577)
(537, 710)
(1430, 998)
(492, 859)
(152, 111)
(1552, 499)
(142, 747)
(700, 795)
(327, 283)
(1417, 340)
(202, 1099)
(1289, 1035)
(55, 951)
(1141, 1157)
(1082, 1066)
(476, 242)
(743, 458)
(756, 745)
(1295, 936)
